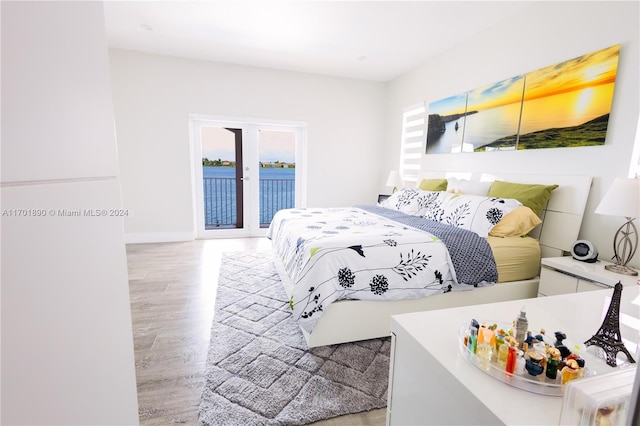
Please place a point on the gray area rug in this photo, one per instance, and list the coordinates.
(259, 370)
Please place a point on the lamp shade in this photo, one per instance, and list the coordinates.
(622, 199)
(395, 179)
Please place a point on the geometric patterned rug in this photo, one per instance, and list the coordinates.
(259, 370)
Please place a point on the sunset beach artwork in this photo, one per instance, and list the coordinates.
(498, 115)
(563, 105)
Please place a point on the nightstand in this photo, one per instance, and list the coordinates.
(561, 275)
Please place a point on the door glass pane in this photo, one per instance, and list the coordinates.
(221, 172)
(277, 153)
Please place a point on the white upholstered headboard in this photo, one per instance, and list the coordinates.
(561, 218)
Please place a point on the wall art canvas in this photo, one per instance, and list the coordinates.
(496, 115)
(563, 105)
(446, 125)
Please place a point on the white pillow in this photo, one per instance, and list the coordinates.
(409, 200)
(462, 186)
(475, 213)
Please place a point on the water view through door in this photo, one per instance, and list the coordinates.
(222, 178)
(248, 174)
(277, 184)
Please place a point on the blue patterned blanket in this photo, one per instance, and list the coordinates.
(471, 255)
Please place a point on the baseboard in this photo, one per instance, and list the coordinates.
(158, 237)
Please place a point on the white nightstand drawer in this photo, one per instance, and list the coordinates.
(584, 285)
(561, 275)
(553, 282)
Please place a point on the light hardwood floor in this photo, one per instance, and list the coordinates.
(172, 289)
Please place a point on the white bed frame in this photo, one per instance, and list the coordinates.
(353, 320)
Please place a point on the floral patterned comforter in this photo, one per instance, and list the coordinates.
(349, 253)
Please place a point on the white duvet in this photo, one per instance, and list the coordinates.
(347, 253)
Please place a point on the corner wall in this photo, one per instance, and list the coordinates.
(67, 341)
(542, 35)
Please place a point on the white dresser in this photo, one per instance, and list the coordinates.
(432, 383)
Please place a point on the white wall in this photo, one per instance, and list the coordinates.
(67, 344)
(542, 35)
(153, 96)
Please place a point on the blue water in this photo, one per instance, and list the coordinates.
(265, 172)
(277, 191)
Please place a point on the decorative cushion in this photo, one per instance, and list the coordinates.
(517, 223)
(433, 184)
(409, 200)
(475, 213)
(462, 186)
(531, 195)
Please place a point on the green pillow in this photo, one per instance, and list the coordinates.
(533, 196)
(433, 185)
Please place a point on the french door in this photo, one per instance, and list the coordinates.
(245, 171)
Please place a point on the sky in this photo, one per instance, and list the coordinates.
(273, 145)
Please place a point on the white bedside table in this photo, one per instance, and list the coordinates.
(561, 275)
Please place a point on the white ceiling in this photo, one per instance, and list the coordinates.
(371, 40)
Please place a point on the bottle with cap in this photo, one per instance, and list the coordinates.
(522, 325)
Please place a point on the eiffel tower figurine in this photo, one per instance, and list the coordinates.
(608, 336)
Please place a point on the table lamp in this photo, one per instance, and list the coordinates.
(623, 199)
(395, 180)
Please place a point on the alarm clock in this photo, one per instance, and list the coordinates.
(584, 251)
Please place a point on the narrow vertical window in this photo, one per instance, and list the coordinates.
(412, 142)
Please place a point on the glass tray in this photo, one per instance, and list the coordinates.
(540, 384)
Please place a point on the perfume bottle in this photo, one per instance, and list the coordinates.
(520, 362)
(484, 346)
(486, 341)
(473, 340)
(552, 367)
(502, 354)
(511, 359)
(522, 325)
(570, 371)
(534, 364)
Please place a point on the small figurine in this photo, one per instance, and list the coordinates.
(608, 336)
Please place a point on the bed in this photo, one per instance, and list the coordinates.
(449, 277)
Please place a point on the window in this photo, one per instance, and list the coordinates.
(411, 149)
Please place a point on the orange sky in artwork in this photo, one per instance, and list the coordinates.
(586, 71)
